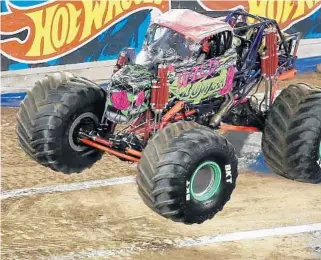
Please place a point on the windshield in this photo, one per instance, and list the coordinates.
(164, 44)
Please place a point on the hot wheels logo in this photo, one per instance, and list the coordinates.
(57, 28)
(285, 12)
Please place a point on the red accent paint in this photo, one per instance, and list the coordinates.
(287, 75)
(109, 143)
(154, 93)
(103, 141)
(133, 152)
(249, 129)
(162, 97)
(121, 61)
(269, 62)
(188, 113)
(263, 65)
(147, 126)
(172, 112)
(206, 47)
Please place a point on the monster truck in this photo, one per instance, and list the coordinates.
(163, 108)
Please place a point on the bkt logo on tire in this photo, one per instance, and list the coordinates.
(228, 170)
(188, 195)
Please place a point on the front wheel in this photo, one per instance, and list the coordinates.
(51, 116)
(187, 173)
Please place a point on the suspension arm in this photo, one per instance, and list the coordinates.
(101, 144)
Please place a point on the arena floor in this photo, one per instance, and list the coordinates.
(98, 214)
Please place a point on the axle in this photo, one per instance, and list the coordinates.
(104, 145)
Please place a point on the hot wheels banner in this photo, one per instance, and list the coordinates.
(285, 12)
(57, 28)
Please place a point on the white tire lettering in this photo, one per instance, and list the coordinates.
(188, 195)
(228, 170)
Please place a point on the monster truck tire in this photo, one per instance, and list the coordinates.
(171, 163)
(50, 113)
(291, 141)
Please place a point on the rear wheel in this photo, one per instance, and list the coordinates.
(187, 173)
(51, 116)
(291, 141)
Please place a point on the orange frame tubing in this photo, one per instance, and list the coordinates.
(112, 151)
(172, 112)
(107, 143)
(287, 75)
(102, 141)
(133, 152)
(248, 129)
(188, 113)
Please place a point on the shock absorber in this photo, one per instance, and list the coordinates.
(275, 53)
(264, 59)
(121, 61)
(269, 63)
(159, 92)
(154, 93)
(269, 58)
(162, 97)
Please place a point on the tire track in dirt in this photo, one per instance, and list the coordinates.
(201, 241)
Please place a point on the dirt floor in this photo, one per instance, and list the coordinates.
(263, 249)
(312, 78)
(113, 223)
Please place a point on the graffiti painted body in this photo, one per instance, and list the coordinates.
(197, 73)
(190, 79)
(212, 79)
(202, 89)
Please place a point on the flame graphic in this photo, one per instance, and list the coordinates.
(60, 27)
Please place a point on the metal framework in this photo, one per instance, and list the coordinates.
(275, 62)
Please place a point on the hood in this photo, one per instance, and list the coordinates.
(132, 78)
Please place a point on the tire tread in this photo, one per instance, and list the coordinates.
(299, 108)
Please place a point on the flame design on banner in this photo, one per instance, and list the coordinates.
(285, 12)
(57, 28)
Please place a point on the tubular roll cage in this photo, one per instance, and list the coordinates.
(249, 76)
(250, 72)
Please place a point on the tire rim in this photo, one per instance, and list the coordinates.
(319, 160)
(205, 181)
(79, 122)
